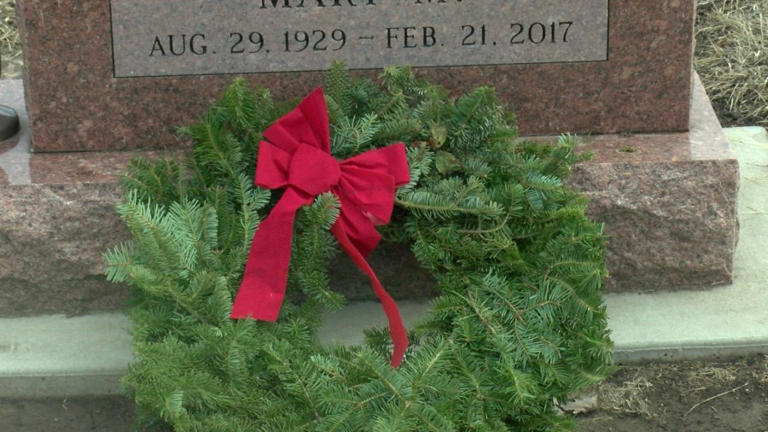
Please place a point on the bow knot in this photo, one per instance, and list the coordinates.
(313, 170)
(296, 156)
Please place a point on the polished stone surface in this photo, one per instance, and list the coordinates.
(76, 103)
(56, 355)
(152, 38)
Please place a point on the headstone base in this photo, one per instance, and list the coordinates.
(668, 202)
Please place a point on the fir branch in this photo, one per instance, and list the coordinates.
(442, 210)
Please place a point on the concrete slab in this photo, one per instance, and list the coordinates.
(346, 326)
(56, 355)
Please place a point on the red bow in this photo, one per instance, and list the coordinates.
(296, 156)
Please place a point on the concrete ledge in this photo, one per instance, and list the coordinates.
(62, 386)
(59, 356)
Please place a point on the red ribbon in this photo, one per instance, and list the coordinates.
(296, 156)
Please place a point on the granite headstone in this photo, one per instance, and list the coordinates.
(123, 74)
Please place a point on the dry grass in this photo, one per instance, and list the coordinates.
(761, 376)
(628, 397)
(709, 375)
(11, 62)
(732, 58)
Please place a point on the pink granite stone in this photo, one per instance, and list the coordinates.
(55, 224)
(54, 229)
(75, 102)
(668, 202)
(51, 240)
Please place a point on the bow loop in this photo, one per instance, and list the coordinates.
(306, 124)
(391, 159)
(369, 181)
(371, 192)
(273, 167)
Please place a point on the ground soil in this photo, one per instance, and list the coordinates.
(700, 396)
(81, 414)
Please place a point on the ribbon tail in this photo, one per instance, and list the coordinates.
(396, 327)
(266, 272)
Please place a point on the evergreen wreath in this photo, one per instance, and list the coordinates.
(518, 324)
